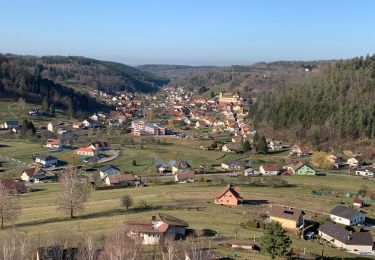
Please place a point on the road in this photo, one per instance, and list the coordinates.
(10, 111)
(18, 163)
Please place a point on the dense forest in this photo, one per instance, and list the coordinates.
(85, 72)
(337, 105)
(18, 80)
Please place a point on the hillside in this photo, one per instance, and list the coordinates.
(335, 105)
(19, 80)
(85, 73)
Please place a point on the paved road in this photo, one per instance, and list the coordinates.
(18, 163)
(115, 154)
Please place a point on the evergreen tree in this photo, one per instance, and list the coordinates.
(260, 144)
(246, 146)
(45, 105)
(52, 110)
(212, 94)
(275, 240)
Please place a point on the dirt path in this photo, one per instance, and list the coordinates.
(10, 111)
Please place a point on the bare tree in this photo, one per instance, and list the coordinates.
(87, 248)
(126, 201)
(73, 194)
(198, 250)
(9, 205)
(15, 246)
(22, 105)
(119, 245)
(170, 250)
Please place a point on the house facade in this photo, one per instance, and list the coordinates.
(86, 151)
(230, 195)
(345, 215)
(269, 169)
(354, 242)
(288, 217)
(46, 160)
(33, 174)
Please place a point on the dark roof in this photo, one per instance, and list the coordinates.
(11, 122)
(344, 211)
(33, 171)
(170, 220)
(182, 165)
(183, 175)
(107, 167)
(341, 234)
(45, 157)
(121, 177)
(285, 212)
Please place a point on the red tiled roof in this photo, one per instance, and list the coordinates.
(235, 190)
(270, 167)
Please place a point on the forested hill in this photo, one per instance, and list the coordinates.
(84, 72)
(18, 80)
(337, 105)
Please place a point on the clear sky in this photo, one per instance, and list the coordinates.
(195, 32)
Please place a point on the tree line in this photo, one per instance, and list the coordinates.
(18, 80)
(338, 104)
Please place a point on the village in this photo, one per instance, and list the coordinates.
(212, 141)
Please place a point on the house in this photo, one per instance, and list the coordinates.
(11, 124)
(46, 160)
(232, 166)
(355, 162)
(288, 217)
(354, 242)
(145, 231)
(269, 169)
(86, 151)
(99, 146)
(250, 171)
(114, 123)
(335, 158)
(358, 203)
(122, 179)
(180, 165)
(366, 172)
(78, 125)
(301, 169)
(229, 97)
(88, 123)
(304, 151)
(33, 174)
(347, 216)
(184, 176)
(141, 127)
(230, 195)
(169, 225)
(54, 143)
(17, 187)
(108, 170)
(276, 145)
(232, 147)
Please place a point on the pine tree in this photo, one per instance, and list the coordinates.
(246, 146)
(275, 240)
(45, 104)
(52, 110)
(212, 94)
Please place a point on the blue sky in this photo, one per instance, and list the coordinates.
(194, 32)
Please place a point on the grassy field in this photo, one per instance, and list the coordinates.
(191, 202)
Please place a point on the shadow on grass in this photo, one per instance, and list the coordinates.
(255, 202)
(106, 213)
(4, 145)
